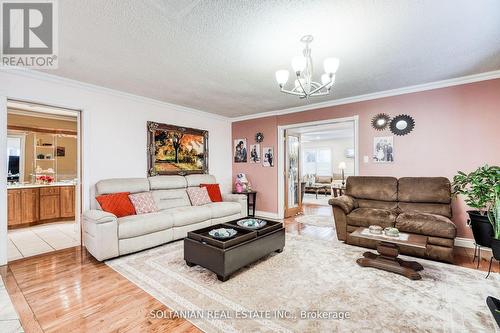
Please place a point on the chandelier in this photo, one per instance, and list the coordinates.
(304, 86)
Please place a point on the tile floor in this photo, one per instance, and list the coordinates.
(9, 320)
(27, 242)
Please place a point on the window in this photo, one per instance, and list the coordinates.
(317, 161)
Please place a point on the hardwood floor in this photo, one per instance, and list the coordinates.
(70, 291)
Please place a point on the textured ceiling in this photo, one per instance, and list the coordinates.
(220, 56)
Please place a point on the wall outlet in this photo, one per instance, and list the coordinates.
(366, 159)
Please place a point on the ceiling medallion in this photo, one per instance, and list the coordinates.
(380, 121)
(304, 86)
(402, 124)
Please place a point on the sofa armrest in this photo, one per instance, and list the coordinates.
(99, 216)
(100, 234)
(345, 202)
(240, 198)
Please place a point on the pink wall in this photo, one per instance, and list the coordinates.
(457, 128)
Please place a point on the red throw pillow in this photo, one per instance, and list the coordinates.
(116, 203)
(213, 192)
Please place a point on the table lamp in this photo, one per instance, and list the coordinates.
(342, 166)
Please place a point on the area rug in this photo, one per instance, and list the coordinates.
(321, 200)
(316, 220)
(314, 286)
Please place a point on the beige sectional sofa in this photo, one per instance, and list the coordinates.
(106, 236)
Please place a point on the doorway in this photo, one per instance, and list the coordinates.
(43, 179)
(317, 158)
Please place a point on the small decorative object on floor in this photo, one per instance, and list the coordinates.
(391, 232)
(222, 233)
(375, 229)
(380, 121)
(402, 124)
(252, 223)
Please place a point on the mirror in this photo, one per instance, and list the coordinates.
(402, 124)
(380, 121)
(15, 154)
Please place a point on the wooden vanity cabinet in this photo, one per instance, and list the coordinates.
(40, 204)
(14, 207)
(29, 205)
(50, 206)
(67, 201)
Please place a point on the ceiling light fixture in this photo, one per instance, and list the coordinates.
(304, 86)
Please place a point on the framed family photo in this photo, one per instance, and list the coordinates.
(268, 156)
(255, 153)
(240, 151)
(174, 150)
(383, 149)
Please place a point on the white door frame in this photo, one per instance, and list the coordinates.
(281, 151)
(81, 146)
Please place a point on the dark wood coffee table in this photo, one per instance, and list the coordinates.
(224, 257)
(388, 251)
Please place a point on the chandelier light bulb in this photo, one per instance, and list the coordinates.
(298, 64)
(282, 76)
(331, 65)
(325, 78)
(297, 84)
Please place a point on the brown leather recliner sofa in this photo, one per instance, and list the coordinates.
(415, 205)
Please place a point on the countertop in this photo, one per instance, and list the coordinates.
(21, 186)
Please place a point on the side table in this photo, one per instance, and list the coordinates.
(251, 200)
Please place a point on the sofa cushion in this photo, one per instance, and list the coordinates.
(196, 180)
(213, 192)
(143, 202)
(138, 225)
(388, 205)
(430, 208)
(198, 196)
(189, 215)
(118, 204)
(426, 224)
(116, 185)
(167, 199)
(424, 189)
(365, 217)
(372, 188)
(167, 182)
(223, 209)
(323, 180)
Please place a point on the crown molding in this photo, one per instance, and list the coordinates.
(387, 93)
(103, 90)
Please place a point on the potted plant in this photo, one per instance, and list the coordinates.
(480, 189)
(494, 217)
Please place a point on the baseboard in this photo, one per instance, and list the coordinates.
(468, 243)
(267, 215)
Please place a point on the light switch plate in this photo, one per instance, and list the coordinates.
(366, 159)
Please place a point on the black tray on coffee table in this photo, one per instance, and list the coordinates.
(224, 257)
(270, 226)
